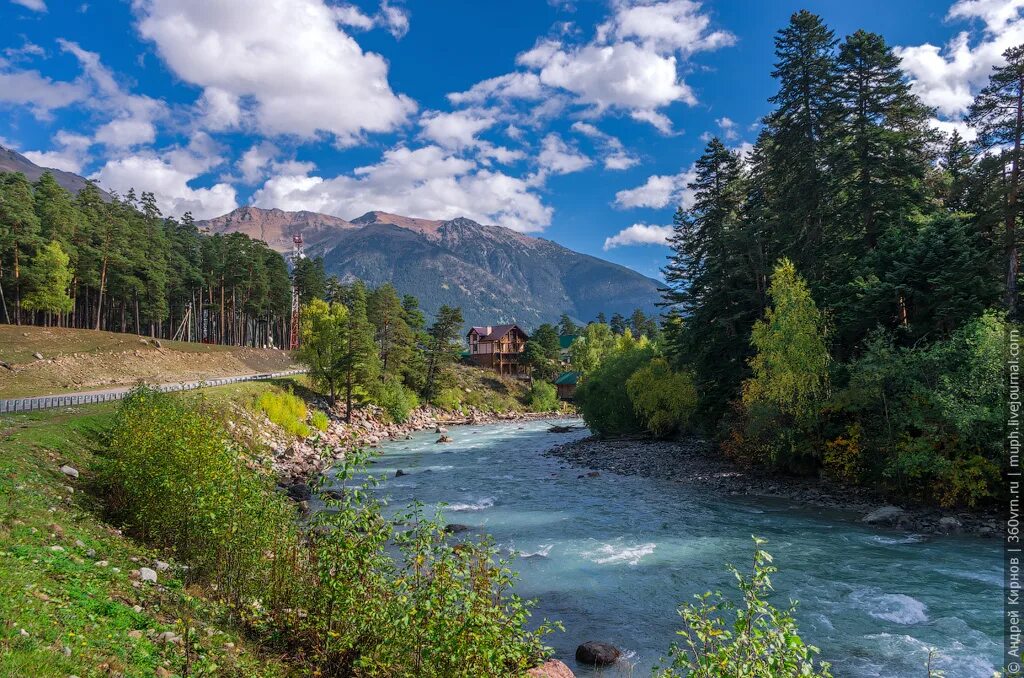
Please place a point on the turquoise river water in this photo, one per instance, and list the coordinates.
(613, 556)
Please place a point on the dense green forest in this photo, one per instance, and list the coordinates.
(839, 298)
(119, 265)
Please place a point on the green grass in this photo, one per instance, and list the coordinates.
(79, 618)
(287, 410)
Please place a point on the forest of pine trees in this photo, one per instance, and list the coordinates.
(840, 295)
(119, 265)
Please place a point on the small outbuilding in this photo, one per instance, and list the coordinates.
(565, 384)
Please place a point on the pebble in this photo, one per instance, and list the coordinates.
(146, 574)
(69, 471)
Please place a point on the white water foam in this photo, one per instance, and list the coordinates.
(609, 554)
(541, 552)
(485, 503)
(890, 541)
(895, 607)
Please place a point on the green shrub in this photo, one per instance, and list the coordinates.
(602, 397)
(449, 399)
(759, 641)
(397, 400)
(319, 420)
(287, 410)
(542, 397)
(664, 400)
(172, 476)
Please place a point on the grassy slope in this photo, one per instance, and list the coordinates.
(76, 360)
(79, 618)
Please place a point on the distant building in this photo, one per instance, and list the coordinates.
(565, 384)
(498, 348)
(564, 342)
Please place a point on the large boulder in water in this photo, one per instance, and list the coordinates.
(552, 668)
(886, 515)
(299, 492)
(597, 654)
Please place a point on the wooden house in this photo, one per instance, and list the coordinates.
(498, 348)
(565, 384)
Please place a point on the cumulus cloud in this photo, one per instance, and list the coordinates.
(169, 175)
(423, 182)
(34, 5)
(457, 129)
(558, 157)
(659, 191)
(639, 234)
(70, 154)
(947, 77)
(616, 157)
(134, 115)
(283, 64)
(39, 93)
(632, 64)
(395, 19)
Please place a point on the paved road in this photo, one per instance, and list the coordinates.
(116, 393)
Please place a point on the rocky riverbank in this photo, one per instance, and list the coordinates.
(298, 461)
(695, 462)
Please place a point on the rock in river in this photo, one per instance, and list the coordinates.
(886, 515)
(597, 654)
(552, 668)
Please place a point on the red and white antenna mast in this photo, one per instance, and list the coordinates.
(296, 256)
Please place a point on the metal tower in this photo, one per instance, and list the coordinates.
(296, 256)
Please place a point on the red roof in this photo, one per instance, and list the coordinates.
(494, 332)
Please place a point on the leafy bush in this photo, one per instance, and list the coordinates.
(352, 593)
(602, 397)
(285, 409)
(319, 420)
(760, 642)
(172, 476)
(664, 400)
(398, 400)
(542, 397)
(929, 416)
(449, 399)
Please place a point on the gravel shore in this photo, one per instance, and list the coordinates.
(694, 461)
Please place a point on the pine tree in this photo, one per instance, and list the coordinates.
(881, 153)
(618, 323)
(799, 132)
(392, 335)
(712, 288)
(441, 349)
(958, 167)
(361, 365)
(566, 326)
(19, 232)
(998, 115)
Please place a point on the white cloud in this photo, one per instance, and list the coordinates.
(557, 157)
(256, 160)
(425, 182)
(675, 25)
(508, 86)
(616, 157)
(133, 114)
(948, 77)
(168, 177)
(41, 94)
(70, 154)
(457, 129)
(659, 191)
(639, 234)
(633, 64)
(728, 128)
(396, 19)
(219, 110)
(350, 15)
(285, 64)
(34, 5)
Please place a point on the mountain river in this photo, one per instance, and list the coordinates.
(612, 556)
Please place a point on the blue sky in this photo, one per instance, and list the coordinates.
(574, 120)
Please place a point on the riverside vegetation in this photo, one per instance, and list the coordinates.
(833, 298)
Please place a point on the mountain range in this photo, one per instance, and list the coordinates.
(493, 273)
(496, 275)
